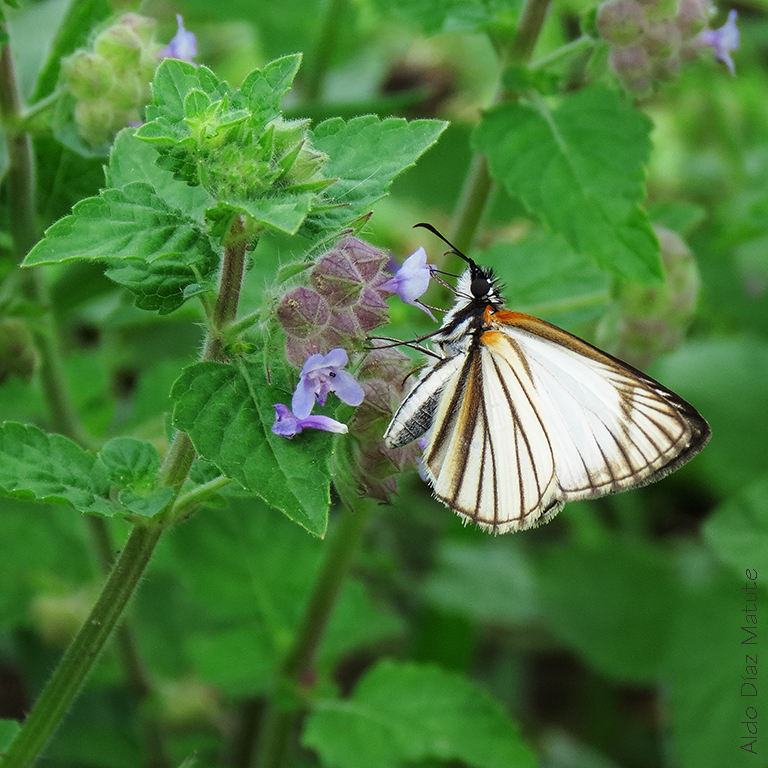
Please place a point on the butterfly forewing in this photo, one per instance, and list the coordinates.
(609, 426)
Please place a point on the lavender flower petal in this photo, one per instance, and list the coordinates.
(412, 280)
(287, 425)
(347, 389)
(183, 46)
(321, 375)
(723, 41)
(326, 423)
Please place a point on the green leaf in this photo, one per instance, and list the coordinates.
(8, 729)
(579, 168)
(55, 550)
(459, 583)
(592, 596)
(250, 597)
(36, 465)
(228, 412)
(73, 33)
(132, 465)
(135, 160)
(284, 212)
(174, 79)
(365, 154)
(132, 222)
(162, 285)
(436, 16)
(130, 462)
(738, 529)
(147, 503)
(405, 713)
(264, 88)
(154, 250)
(702, 372)
(681, 217)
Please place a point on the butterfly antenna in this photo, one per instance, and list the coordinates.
(454, 249)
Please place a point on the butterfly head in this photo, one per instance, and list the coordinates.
(476, 284)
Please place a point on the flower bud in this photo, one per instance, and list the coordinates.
(371, 311)
(369, 261)
(88, 75)
(95, 120)
(692, 17)
(633, 66)
(125, 42)
(303, 313)
(374, 466)
(121, 46)
(620, 22)
(667, 69)
(298, 350)
(659, 10)
(335, 277)
(662, 40)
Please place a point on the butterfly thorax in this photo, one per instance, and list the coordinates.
(476, 290)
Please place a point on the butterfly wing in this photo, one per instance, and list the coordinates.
(416, 413)
(534, 417)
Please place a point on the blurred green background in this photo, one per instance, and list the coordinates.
(612, 635)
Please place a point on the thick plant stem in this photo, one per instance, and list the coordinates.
(478, 185)
(137, 678)
(285, 704)
(229, 290)
(85, 649)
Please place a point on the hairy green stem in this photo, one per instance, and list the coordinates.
(88, 644)
(329, 29)
(198, 495)
(81, 655)
(139, 683)
(285, 704)
(477, 187)
(229, 290)
(564, 52)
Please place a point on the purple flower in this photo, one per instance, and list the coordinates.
(412, 280)
(723, 41)
(183, 46)
(320, 375)
(287, 425)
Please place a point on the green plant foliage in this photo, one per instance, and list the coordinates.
(579, 168)
(593, 595)
(228, 413)
(740, 525)
(50, 468)
(406, 712)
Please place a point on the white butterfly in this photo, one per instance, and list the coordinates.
(521, 416)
